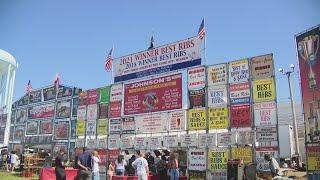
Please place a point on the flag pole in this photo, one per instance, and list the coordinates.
(111, 80)
(205, 42)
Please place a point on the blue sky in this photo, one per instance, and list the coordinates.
(73, 37)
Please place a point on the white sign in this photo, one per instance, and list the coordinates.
(102, 143)
(116, 92)
(91, 128)
(177, 120)
(170, 141)
(151, 123)
(246, 137)
(202, 140)
(265, 114)
(188, 140)
(174, 56)
(140, 142)
(197, 160)
(239, 71)
(217, 74)
(240, 93)
(80, 142)
(115, 126)
(226, 139)
(217, 96)
(92, 112)
(266, 134)
(126, 142)
(91, 143)
(114, 142)
(263, 165)
(196, 78)
(82, 112)
(128, 125)
(154, 142)
(211, 140)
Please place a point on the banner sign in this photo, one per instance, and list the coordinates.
(218, 159)
(262, 67)
(64, 91)
(196, 175)
(240, 116)
(197, 119)
(267, 134)
(140, 142)
(82, 112)
(81, 127)
(197, 98)
(202, 140)
(23, 101)
(113, 155)
(170, 57)
(72, 150)
(265, 114)
(21, 115)
(313, 154)
(264, 90)
(76, 91)
(63, 109)
(91, 143)
(262, 164)
(45, 139)
(153, 123)
(32, 128)
(115, 126)
(92, 112)
(105, 94)
(128, 125)
(170, 141)
(243, 153)
(126, 142)
(75, 103)
(102, 127)
(217, 74)
(61, 130)
(116, 92)
(49, 93)
(92, 96)
(188, 140)
(155, 142)
(176, 120)
(240, 93)
(83, 98)
(19, 133)
(197, 160)
(197, 78)
(103, 110)
(115, 109)
(157, 94)
(35, 112)
(58, 146)
(35, 96)
(31, 140)
(102, 143)
(217, 96)
(246, 137)
(218, 118)
(91, 128)
(80, 142)
(73, 129)
(226, 139)
(45, 127)
(211, 140)
(308, 49)
(239, 71)
(114, 142)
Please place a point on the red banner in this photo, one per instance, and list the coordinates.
(93, 96)
(115, 109)
(240, 116)
(158, 94)
(113, 155)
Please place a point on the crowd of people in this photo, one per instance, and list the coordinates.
(139, 164)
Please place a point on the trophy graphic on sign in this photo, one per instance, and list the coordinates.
(308, 49)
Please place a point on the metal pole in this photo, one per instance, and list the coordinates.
(294, 117)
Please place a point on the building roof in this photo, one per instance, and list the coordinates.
(7, 57)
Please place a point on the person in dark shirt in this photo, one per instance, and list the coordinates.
(60, 162)
(85, 165)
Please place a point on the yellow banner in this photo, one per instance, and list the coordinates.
(218, 159)
(197, 119)
(313, 157)
(81, 127)
(218, 118)
(102, 127)
(243, 153)
(264, 90)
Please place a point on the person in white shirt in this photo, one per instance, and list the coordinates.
(141, 166)
(95, 166)
(13, 160)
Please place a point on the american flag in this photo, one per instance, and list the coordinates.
(202, 30)
(108, 63)
(56, 81)
(29, 87)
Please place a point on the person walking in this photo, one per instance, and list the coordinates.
(120, 165)
(173, 164)
(110, 171)
(85, 165)
(13, 160)
(162, 167)
(141, 166)
(60, 162)
(95, 166)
